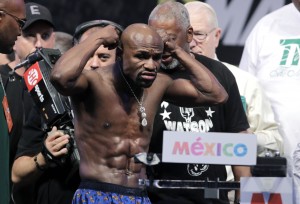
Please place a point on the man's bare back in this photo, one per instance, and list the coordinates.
(107, 101)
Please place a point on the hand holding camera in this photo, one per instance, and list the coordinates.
(56, 142)
(56, 147)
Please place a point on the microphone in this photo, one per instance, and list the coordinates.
(32, 58)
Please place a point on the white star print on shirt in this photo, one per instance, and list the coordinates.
(165, 114)
(209, 112)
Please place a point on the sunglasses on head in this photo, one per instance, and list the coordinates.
(21, 22)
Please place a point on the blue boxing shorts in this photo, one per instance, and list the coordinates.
(94, 192)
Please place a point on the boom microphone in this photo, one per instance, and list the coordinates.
(32, 58)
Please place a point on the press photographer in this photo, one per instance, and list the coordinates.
(54, 108)
(50, 185)
(49, 133)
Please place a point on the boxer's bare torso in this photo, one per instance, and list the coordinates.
(109, 130)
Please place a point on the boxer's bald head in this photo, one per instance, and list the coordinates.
(142, 35)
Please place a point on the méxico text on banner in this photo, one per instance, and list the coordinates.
(209, 148)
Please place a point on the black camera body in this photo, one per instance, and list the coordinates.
(71, 146)
(54, 108)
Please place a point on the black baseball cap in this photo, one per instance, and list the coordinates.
(80, 29)
(36, 12)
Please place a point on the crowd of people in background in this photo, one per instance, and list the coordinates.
(119, 83)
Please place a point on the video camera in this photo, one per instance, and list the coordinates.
(54, 108)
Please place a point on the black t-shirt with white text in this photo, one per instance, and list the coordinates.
(227, 117)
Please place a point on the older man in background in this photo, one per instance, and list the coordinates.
(171, 20)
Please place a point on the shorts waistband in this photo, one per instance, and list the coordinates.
(109, 187)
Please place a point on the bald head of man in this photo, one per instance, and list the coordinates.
(12, 18)
(140, 35)
(142, 50)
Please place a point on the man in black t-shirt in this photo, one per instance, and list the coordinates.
(228, 117)
(172, 18)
